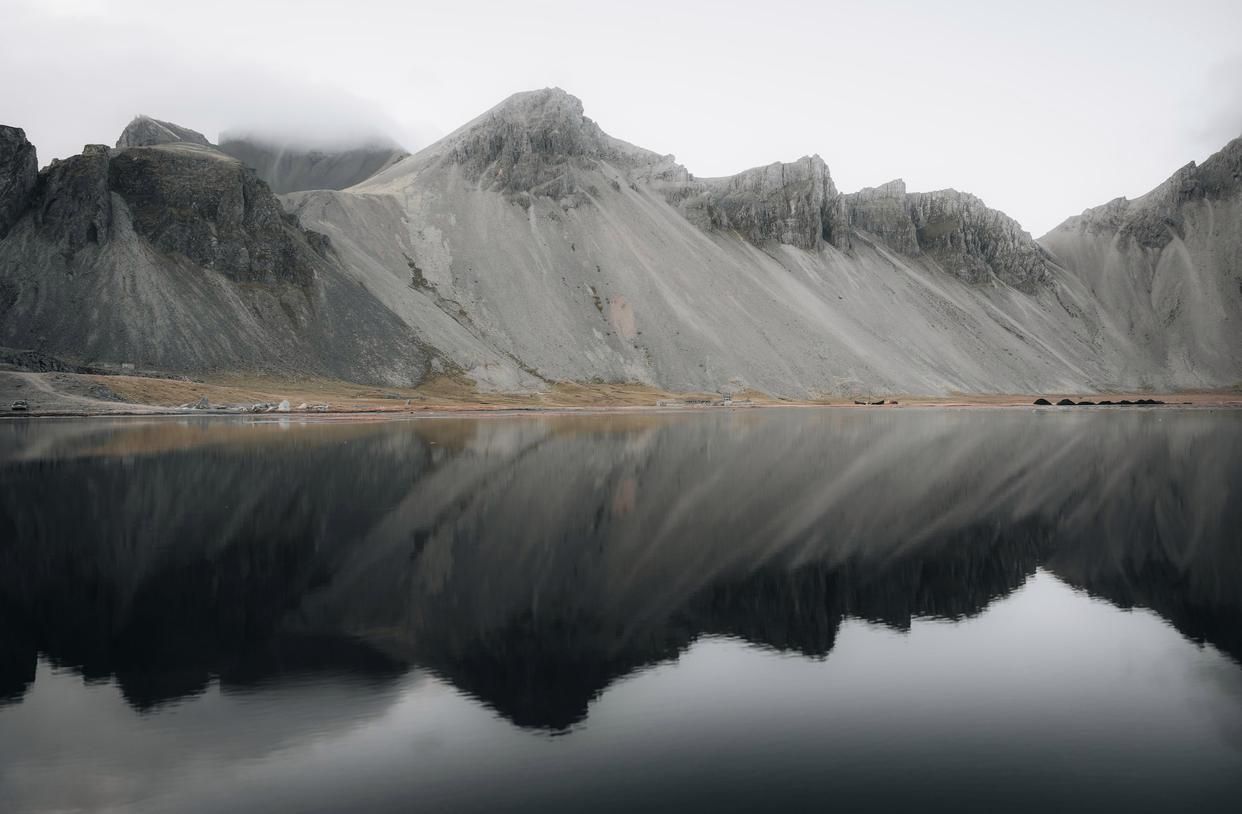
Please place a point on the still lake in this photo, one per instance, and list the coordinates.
(751, 610)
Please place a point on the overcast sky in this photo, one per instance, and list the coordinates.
(1041, 109)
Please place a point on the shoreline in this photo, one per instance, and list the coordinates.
(482, 410)
(54, 394)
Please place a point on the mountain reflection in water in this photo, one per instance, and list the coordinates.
(533, 562)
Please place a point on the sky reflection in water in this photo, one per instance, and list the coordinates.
(958, 610)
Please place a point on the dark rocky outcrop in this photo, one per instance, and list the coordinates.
(1042, 403)
(19, 171)
(177, 258)
(210, 209)
(145, 131)
(73, 206)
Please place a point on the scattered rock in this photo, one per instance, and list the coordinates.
(103, 393)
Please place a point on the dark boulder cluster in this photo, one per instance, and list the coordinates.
(1072, 403)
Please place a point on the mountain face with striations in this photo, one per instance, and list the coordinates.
(292, 169)
(530, 247)
(1167, 268)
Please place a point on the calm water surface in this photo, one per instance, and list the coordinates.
(803, 610)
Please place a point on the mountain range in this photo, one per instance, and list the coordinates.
(529, 247)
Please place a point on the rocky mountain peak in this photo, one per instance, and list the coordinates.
(1155, 219)
(537, 143)
(540, 108)
(19, 171)
(144, 131)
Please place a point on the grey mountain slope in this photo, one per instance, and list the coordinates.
(290, 169)
(586, 258)
(1167, 268)
(530, 247)
(175, 257)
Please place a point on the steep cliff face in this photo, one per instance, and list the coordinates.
(956, 230)
(1167, 268)
(175, 257)
(881, 213)
(796, 204)
(293, 169)
(976, 243)
(19, 171)
(144, 131)
(73, 207)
